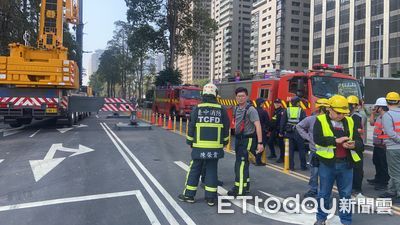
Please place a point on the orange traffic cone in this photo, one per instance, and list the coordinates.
(160, 121)
(169, 127)
(153, 120)
(139, 114)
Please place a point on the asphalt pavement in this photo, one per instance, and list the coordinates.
(93, 173)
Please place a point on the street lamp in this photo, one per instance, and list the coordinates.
(378, 68)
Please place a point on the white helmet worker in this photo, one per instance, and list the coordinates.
(210, 89)
(381, 102)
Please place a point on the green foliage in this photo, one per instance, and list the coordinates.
(202, 82)
(168, 76)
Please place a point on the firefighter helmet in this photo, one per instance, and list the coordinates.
(210, 89)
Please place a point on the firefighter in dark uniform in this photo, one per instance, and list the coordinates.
(274, 132)
(294, 114)
(208, 133)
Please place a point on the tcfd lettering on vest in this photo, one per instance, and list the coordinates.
(209, 116)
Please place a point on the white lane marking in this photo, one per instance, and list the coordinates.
(280, 216)
(146, 207)
(1, 160)
(63, 130)
(34, 134)
(160, 188)
(170, 218)
(80, 125)
(150, 214)
(97, 116)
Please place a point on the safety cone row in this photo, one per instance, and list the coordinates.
(169, 126)
(160, 122)
(153, 119)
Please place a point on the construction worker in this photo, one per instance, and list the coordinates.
(248, 138)
(358, 171)
(391, 127)
(265, 123)
(338, 146)
(208, 133)
(381, 178)
(305, 130)
(293, 115)
(274, 132)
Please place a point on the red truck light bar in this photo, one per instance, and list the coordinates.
(334, 68)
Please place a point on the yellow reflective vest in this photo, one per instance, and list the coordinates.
(328, 152)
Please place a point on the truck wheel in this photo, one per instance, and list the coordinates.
(25, 121)
(71, 119)
(15, 124)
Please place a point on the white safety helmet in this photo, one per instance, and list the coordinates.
(381, 102)
(210, 89)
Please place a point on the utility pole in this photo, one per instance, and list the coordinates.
(378, 68)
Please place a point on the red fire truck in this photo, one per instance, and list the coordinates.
(176, 100)
(323, 81)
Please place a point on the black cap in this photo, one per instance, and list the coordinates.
(278, 100)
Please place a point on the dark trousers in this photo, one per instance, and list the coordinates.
(273, 139)
(381, 167)
(297, 143)
(193, 175)
(358, 174)
(242, 176)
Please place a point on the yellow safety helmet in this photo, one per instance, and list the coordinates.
(322, 102)
(339, 104)
(352, 99)
(393, 96)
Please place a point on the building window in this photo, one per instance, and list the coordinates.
(295, 29)
(307, 14)
(359, 12)
(262, 58)
(306, 31)
(294, 64)
(305, 56)
(394, 5)
(294, 38)
(295, 21)
(295, 12)
(395, 69)
(294, 55)
(375, 50)
(394, 25)
(330, 22)
(344, 2)
(316, 59)
(359, 32)
(306, 22)
(344, 55)
(306, 5)
(344, 35)
(344, 16)
(317, 43)
(305, 47)
(317, 26)
(295, 3)
(329, 57)
(306, 39)
(376, 7)
(318, 9)
(394, 47)
(264, 50)
(359, 53)
(294, 47)
(330, 40)
(330, 4)
(375, 27)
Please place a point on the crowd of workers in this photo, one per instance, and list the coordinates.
(332, 137)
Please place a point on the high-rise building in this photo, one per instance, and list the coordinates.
(94, 62)
(280, 35)
(196, 66)
(361, 35)
(231, 44)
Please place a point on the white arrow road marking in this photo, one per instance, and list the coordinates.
(42, 167)
(80, 125)
(149, 212)
(305, 219)
(12, 131)
(63, 130)
(1, 160)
